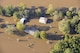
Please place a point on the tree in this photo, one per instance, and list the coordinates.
(57, 15)
(1, 11)
(78, 28)
(50, 9)
(64, 26)
(22, 7)
(60, 15)
(43, 35)
(74, 24)
(56, 18)
(17, 15)
(75, 20)
(20, 26)
(68, 50)
(69, 14)
(70, 45)
(9, 11)
(70, 8)
(78, 12)
(25, 13)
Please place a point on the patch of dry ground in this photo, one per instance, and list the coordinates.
(40, 46)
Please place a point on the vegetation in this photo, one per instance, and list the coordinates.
(70, 8)
(57, 15)
(22, 10)
(20, 26)
(38, 12)
(22, 7)
(37, 34)
(43, 35)
(78, 28)
(69, 45)
(1, 11)
(64, 26)
(9, 11)
(70, 26)
(50, 9)
(69, 14)
(9, 29)
(1, 25)
(78, 12)
(17, 15)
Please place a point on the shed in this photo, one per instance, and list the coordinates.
(43, 20)
(23, 20)
(30, 30)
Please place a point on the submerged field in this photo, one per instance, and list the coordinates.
(8, 43)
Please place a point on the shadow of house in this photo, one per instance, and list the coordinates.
(43, 28)
(40, 28)
(51, 36)
(49, 21)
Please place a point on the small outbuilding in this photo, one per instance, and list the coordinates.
(30, 30)
(23, 20)
(43, 20)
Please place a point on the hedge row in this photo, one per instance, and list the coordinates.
(56, 13)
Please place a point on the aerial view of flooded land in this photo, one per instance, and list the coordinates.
(39, 26)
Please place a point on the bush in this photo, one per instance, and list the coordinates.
(9, 11)
(20, 26)
(37, 34)
(71, 45)
(43, 35)
(9, 29)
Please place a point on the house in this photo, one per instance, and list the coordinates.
(23, 20)
(30, 30)
(43, 20)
